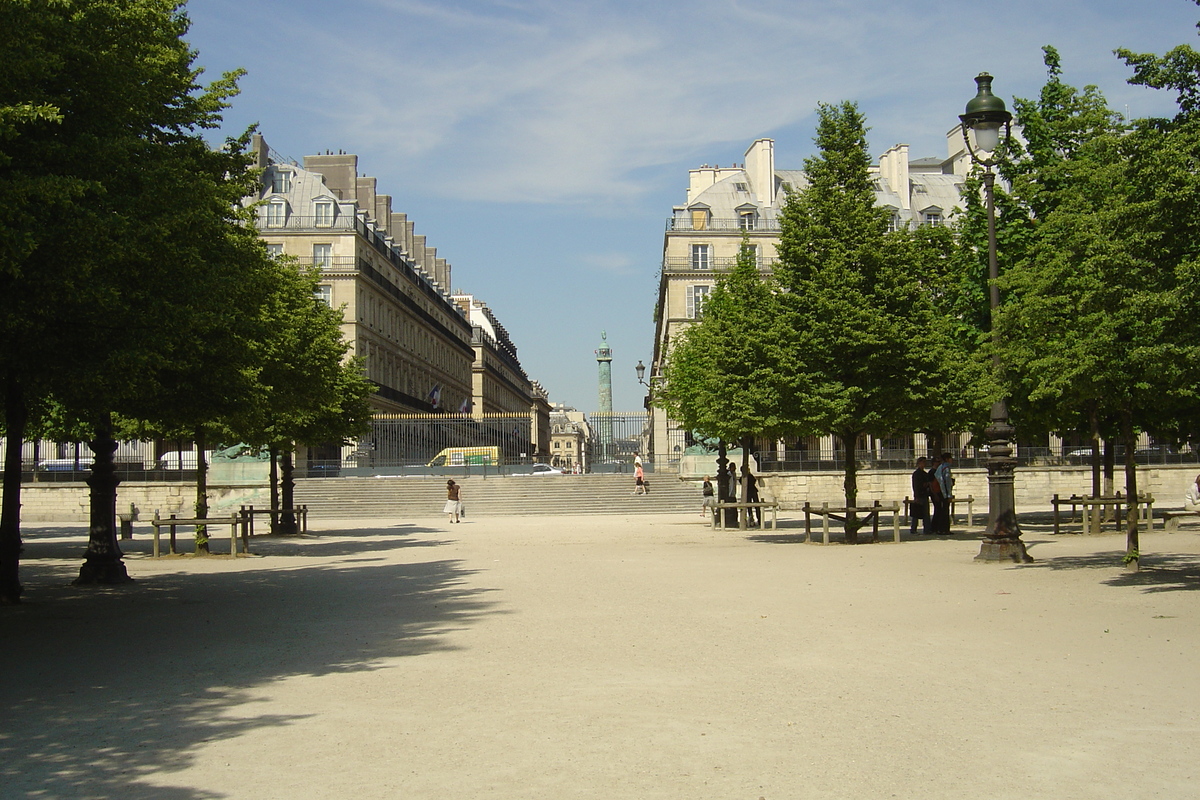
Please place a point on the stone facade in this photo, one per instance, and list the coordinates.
(704, 234)
(392, 287)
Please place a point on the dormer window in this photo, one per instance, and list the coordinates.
(893, 223)
(747, 219)
(323, 213)
(741, 187)
(700, 218)
(276, 216)
(933, 219)
(281, 181)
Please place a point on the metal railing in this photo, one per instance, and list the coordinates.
(723, 263)
(759, 225)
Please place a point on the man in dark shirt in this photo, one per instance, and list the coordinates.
(918, 509)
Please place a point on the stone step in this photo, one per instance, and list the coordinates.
(499, 496)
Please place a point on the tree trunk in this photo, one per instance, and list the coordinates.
(1094, 422)
(287, 519)
(201, 492)
(850, 484)
(273, 450)
(16, 414)
(744, 489)
(102, 560)
(1132, 555)
(1110, 466)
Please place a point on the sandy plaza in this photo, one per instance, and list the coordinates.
(590, 657)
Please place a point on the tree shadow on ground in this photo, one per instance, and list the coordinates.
(107, 690)
(1163, 572)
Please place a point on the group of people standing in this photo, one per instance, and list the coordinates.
(932, 487)
(709, 498)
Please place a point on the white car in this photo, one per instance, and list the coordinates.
(182, 459)
(541, 469)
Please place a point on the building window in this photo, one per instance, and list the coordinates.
(274, 250)
(741, 187)
(701, 256)
(893, 223)
(324, 294)
(746, 220)
(696, 296)
(276, 214)
(558, 445)
(699, 219)
(568, 445)
(323, 213)
(281, 181)
(323, 255)
(933, 219)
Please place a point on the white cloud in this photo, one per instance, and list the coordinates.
(532, 101)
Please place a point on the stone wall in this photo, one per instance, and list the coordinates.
(1033, 486)
(68, 502)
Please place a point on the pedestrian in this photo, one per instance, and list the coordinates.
(1191, 498)
(753, 515)
(945, 481)
(708, 496)
(639, 479)
(918, 508)
(453, 505)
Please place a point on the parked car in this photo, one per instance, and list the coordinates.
(540, 469)
(182, 459)
(1080, 454)
(65, 464)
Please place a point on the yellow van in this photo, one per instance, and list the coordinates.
(465, 456)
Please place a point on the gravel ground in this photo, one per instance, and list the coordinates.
(580, 657)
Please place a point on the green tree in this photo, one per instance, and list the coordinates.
(110, 278)
(1098, 328)
(726, 375)
(306, 390)
(872, 352)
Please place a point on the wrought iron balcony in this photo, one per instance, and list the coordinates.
(756, 225)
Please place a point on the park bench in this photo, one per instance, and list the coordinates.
(743, 509)
(172, 522)
(1171, 519)
(1093, 510)
(871, 513)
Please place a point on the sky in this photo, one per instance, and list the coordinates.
(541, 144)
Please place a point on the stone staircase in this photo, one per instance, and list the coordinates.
(386, 497)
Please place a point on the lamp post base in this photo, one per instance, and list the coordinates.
(1004, 550)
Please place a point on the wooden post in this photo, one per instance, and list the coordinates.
(172, 531)
(970, 511)
(1054, 502)
(875, 521)
(825, 523)
(156, 518)
(896, 521)
(807, 522)
(233, 536)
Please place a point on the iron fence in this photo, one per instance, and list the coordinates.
(617, 438)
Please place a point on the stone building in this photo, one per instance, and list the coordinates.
(705, 232)
(570, 434)
(425, 349)
(392, 287)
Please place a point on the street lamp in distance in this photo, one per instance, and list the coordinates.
(984, 118)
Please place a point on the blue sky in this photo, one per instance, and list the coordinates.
(540, 144)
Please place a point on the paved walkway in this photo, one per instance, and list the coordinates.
(638, 657)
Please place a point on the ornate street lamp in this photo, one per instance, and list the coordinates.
(985, 116)
(641, 372)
